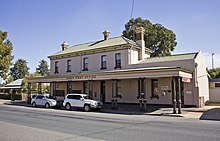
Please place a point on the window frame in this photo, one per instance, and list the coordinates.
(68, 65)
(153, 95)
(103, 62)
(118, 60)
(85, 64)
(56, 67)
(217, 85)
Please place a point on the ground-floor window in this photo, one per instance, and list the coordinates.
(59, 93)
(217, 84)
(154, 88)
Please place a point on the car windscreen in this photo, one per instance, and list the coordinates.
(50, 97)
(87, 97)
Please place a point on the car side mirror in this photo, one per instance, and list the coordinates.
(81, 99)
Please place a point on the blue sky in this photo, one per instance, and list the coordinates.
(38, 27)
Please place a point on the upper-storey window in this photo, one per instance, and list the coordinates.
(56, 67)
(118, 60)
(85, 64)
(68, 65)
(103, 62)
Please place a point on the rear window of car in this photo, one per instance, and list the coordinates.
(33, 96)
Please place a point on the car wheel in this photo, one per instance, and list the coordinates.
(47, 105)
(34, 104)
(86, 108)
(68, 106)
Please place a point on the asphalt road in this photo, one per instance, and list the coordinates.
(32, 124)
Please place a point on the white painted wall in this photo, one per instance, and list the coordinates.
(94, 63)
(214, 92)
(202, 77)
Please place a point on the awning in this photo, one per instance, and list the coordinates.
(152, 72)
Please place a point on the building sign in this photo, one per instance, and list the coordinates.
(164, 88)
(186, 80)
(188, 92)
(81, 77)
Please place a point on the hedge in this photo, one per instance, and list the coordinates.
(8, 96)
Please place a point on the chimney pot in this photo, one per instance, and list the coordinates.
(64, 45)
(106, 34)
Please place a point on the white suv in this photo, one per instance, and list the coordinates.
(42, 100)
(81, 101)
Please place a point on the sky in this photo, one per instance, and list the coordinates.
(38, 27)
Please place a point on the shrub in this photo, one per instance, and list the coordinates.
(8, 96)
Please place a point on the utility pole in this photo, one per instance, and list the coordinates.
(213, 60)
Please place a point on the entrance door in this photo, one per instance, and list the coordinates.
(102, 91)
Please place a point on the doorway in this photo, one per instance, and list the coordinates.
(102, 91)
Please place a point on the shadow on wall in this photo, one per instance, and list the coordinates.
(212, 114)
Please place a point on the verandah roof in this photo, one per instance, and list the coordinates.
(152, 72)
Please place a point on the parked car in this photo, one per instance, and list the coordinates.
(41, 100)
(82, 101)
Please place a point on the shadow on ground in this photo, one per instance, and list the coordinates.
(127, 109)
(132, 109)
(212, 114)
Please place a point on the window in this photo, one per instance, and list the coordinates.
(118, 60)
(68, 65)
(217, 84)
(154, 88)
(85, 64)
(39, 97)
(77, 97)
(56, 67)
(103, 62)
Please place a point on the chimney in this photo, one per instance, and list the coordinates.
(64, 45)
(106, 34)
(140, 41)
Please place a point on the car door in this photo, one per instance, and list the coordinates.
(39, 99)
(80, 101)
(77, 100)
(43, 101)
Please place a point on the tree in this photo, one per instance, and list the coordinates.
(20, 69)
(9, 79)
(157, 38)
(214, 73)
(25, 83)
(5, 54)
(43, 68)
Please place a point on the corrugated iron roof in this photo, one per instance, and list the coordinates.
(121, 40)
(214, 80)
(176, 57)
(17, 82)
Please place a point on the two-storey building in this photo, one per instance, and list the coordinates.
(119, 69)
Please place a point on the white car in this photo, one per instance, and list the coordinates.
(82, 101)
(41, 100)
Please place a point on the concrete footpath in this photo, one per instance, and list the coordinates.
(211, 112)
